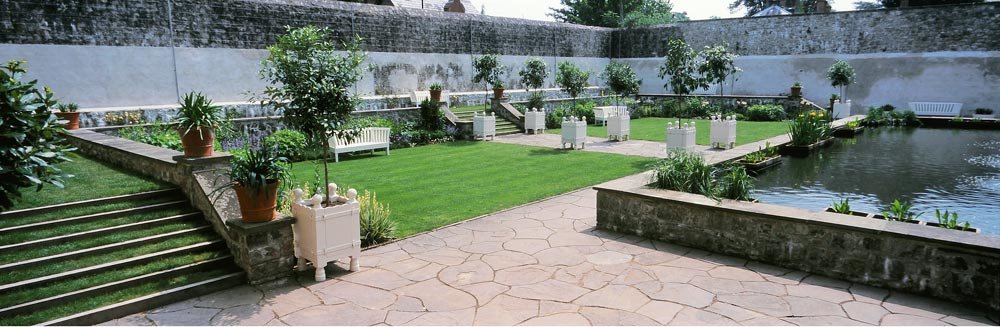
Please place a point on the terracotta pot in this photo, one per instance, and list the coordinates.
(498, 93)
(258, 207)
(436, 95)
(72, 117)
(796, 91)
(197, 144)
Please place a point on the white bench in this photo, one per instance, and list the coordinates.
(483, 126)
(601, 114)
(940, 109)
(370, 138)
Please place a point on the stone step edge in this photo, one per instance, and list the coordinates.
(95, 216)
(100, 249)
(48, 302)
(110, 265)
(110, 199)
(151, 301)
(97, 232)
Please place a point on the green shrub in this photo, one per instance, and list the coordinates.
(430, 116)
(376, 225)
(287, 143)
(735, 183)
(903, 118)
(696, 107)
(536, 101)
(766, 112)
(809, 128)
(157, 134)
(687, 172)
(875, 117)
(585, 109)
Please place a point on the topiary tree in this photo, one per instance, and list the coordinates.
(680, 64)
(717, 65)
(571, 79)
(31, 137)
(311, 82)
(533, 77)
(841, 74)
(621, 80)
(489, 70)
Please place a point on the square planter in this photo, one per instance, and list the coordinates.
(574, 133)
(841, 110)
(757, 167)
(619, 127)
(918, 222)
(970, 229)
(854, 213)
(978, 116)
(680, 137)
(325, 234)
(723, 132)
(534, 121)
(484, 126)
(805, 150)
(848, 132)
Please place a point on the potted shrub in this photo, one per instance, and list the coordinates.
(489, 71)
(255, 174)
(983, 113)
(949, 220)
(808, 131)
(764, 158)
(844, 207)
(841, 74)
(900, 211)
(196, 121)
(498, 88)
(850, 129)
(436, 92)
(797, 90)
(67, 111)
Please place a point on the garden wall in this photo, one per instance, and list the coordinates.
(953, 265)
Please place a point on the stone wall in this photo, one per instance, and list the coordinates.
(953, 265)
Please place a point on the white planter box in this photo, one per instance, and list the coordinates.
(723, 132)
(601, 114)
(534, 121)
(483, 126)
(574, 132)
(680, 137)
(841, 110)
(619, 127)
(326, 234)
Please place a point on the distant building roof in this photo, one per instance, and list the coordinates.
(773, 10)
(439, 5)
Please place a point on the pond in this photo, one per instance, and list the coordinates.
(957, 170)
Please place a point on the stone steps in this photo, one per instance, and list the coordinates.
(504, 126)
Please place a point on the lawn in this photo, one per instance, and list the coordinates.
(654, 129)
(477, 107)
(92, 180)
(432, 186)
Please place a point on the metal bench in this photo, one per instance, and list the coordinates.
(370, 138)
(939, 109)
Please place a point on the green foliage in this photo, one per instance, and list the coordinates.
(72, 107)
(615, 13)
(430, 116)
(31, 137)
(875, 117)
(157, 134)
(681, 65)
(809, 128)
(571, 79)
(949, 220)
(534, 73)
(841, 74)
(536, 100)
(717, 65)
(766, 112)
(687, 172)
(900, 211)
(376, 225)
(621, 79)
(584, 109)
(853, 124)
(254, 169)
(197, 111)
(287, 143)
(695, 107)
(436, 87)
(902, 118)
(735, 183)
(767, 152)
(984, 111)
(842, 206)
(488, 68)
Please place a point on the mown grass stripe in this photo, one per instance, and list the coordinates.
(89, 233)
(173, 192)
(6, 223)
(81, 223)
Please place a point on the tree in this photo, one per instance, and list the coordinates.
(489, 70)
(571, 79)
(31, 137)
(754, 6)
(310, 84)
(621, 79)
(681, 65)
(534, 73)
(614, 13)
(841, 74)
(717, 64)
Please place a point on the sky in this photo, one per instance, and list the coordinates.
(696, 9)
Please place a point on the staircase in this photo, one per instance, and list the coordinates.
(504, 126)
(91, 261)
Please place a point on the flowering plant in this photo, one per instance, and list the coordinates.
(809, 128)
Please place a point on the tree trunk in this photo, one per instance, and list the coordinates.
(326, 170)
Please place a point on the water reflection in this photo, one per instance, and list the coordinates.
(957, 170)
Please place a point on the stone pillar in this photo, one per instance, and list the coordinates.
(264, 250)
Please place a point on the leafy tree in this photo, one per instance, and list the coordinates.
(489, 70)
(614, 13)
(534, 73)
(621, 79)
(311, 82)
(717, 65)
(571, 79)
(841, 74)
(681, 65)
(755, 6)
(31, 138)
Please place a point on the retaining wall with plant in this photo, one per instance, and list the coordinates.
(953, 265)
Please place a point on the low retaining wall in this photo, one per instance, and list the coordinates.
(953, 265)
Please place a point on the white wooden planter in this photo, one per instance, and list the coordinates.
(601, 114)
(680, 136)
(574, 132)
(619, 127)
(325, 234)
(841, 110)
(534, 121)
(483, 126)
(723, 132)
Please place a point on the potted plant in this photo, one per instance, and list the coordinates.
(797, 90)
(841, 74)
(949, 220)
(833, 99)
(489, 71)
(255, 174)
(196, 121)
(844, 207)
(850, 129)
(808, 131)
(436, 92)
(983, 113)
(900, 211)
(764, 158)
(498, 88)
(68, 112)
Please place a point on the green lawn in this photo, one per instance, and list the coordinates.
(479, 108)
(654, 129)
(92, 180)
(435, 185)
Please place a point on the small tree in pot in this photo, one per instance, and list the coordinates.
(717, 65)
(621, 80)
(533, 77)
(196, 121)
(436, 92)
(489, 70)
(841, 74)
(68, 111)
(255, 175)
(571, 79)
(680, 64)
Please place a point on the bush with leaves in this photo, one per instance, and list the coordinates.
(430, 116)
(809, 128)
(158, 134)
(571, 79)
(287, 143)
(681, 65)
(621, 80)
(717, 65)
(766, 112)
(31, 137)
(377, 226)
(688, 172)
(841, 74)
(536, 101)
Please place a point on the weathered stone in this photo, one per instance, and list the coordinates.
(379, 278)
(734, 273)
(187, 317)
(243, 315)
(547, 308)
(523, 275)
(615, 297)
(462, 317)
(765, 288)
(612, 317)
(443, 256)
(560, 256)
(437, 296)
(868, 294)
(820, 292)
(470, 272)
(805, 306)
(732, 312)
(698, 317)
(346, 314)
(683, 294)
(559, 319)
(506, 311)
(717, 285)
(285, 300)
(864, 312)
(506, 259)
(571, 238)
(823, 321)
(526, 246)
(548, 290)
(361, 295)
(609, 258)
(484, 292)
(661, 311)
(426, 272)
(766, 304)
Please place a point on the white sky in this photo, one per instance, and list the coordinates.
(696, 9)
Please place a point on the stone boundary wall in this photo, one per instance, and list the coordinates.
(953, 265)
(910, 30)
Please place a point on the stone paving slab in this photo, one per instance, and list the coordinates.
(575, 275)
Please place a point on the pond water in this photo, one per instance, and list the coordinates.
(957, 170)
